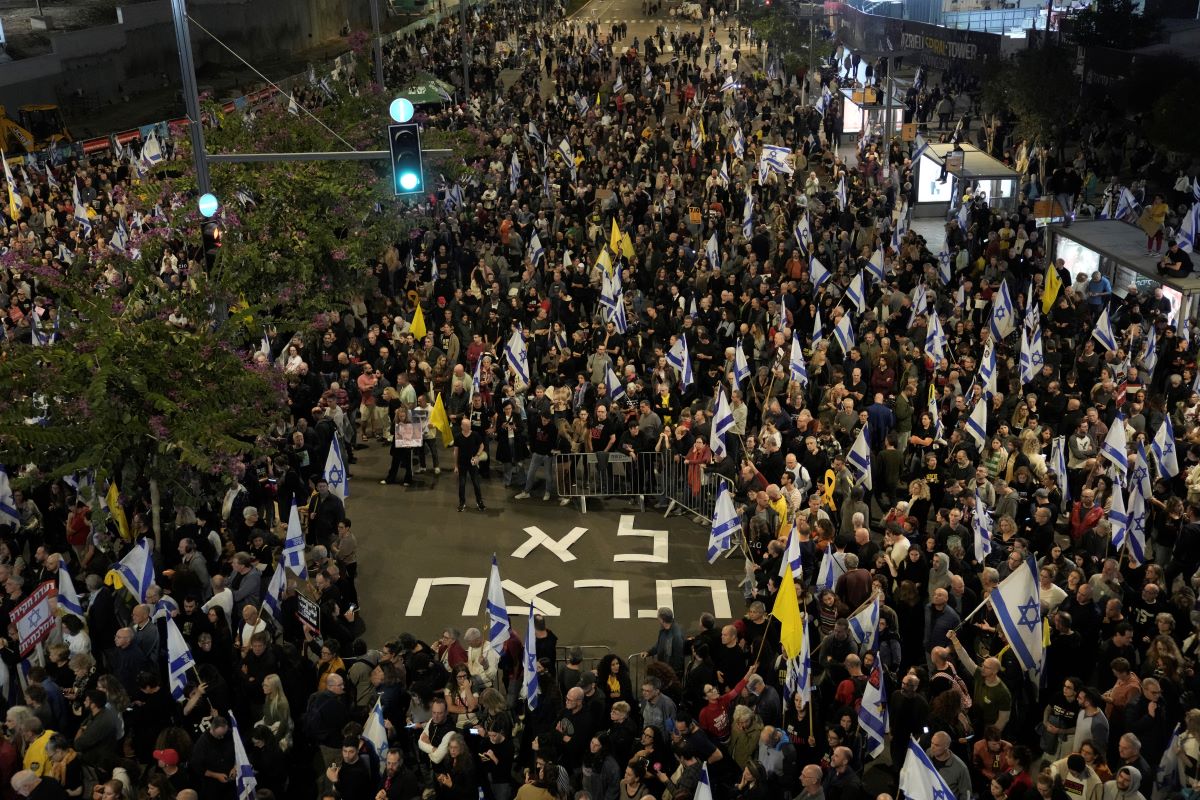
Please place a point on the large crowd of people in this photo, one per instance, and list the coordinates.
(653, 140)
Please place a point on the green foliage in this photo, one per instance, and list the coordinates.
(1113, 23)
(1038, 88)
(788, 35)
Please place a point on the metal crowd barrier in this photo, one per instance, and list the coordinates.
(603, 475)
(637, 671)
(689, 488)
(592, 653)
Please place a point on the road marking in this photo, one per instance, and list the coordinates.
(659, 554)
(529, 595)
(665, 595)
(560, 547)
(620, 593)
(476, 587)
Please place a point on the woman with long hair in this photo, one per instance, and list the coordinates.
(277, 713)
(460, 781)
(612, 677)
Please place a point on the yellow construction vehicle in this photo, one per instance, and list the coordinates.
(40, 126)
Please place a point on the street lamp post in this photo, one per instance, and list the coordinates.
(187, 68)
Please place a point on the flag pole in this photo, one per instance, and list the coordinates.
(968, 617)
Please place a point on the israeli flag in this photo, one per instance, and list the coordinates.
(375, 734)
(1196, 188)
(120, 237)
(777, 158)
(1018, 608)
(987, 371)
(1031, 354)
(1150, 354)
(1114, 446)
(80, 214)
(1003, 322)
(730, 84)
(935, 339)
(919, 778)
(1163, 447)
(619, 84)
(859, 460)
(843, 334)
(748, 215)
(616, 390)
(1118, 517)
(152, 150)
(1137, 525)
(1058, 463)
(712, 251)
(724, 173)
(944, 270)
(1189, 229)
(919, 148)
(273, 598)
(722, 421)
(499, 628)
(817, 272)
(678, 358)
(818, 329)
(976, 423)
(514, 174)
(864, 626)
(1139, 476)
(875, 266)
(531, 133)
(796, 364)
(873, 712)
(704, 785)
(856, 293)
(823, 101)
(982, 526)
(841, 193)
(581, 103)
(791, 555)
(531, 677)
(697, 139)
(564, 148)
(739, 143)
(244, 779)
(293, 545)
(335, 471)
(137, 570)
(741, 367)
(803, 234)
(1106, 210)
(179, 661)
(1127, 206)
(920, 305)
(68, 599)
(517, 354)
(476, 387)
(647, 76)
(725, 522)
(832, 565)
(798, 679)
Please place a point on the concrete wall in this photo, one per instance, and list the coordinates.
(98, 66)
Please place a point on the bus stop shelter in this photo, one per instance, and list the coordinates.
(1117, 250)
(973, 169)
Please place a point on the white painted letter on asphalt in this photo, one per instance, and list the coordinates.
(659, 554)
(532, 594)
(476, 587)
(620, 593)
(560, 547)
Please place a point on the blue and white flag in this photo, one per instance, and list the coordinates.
(517, 354)
(987, 374)
(514, 174)
(678, 358)
(120, 237)
(273, 597)
(981, 526)
(817, 272)
(859, 460)
(1127, 206)
(791, 555)
(722, 421)
(841, 193)
(935, 339)
(1118, 518)
(725, 522)
(335, 470)
(730, 84)
(832, 565)
(1189, 229)
(616, 389)
(1150, 354)
(748, 215)
(712, 251)
(864, 626)
(68, 599)
(152, 150)
(741, 367)
(375, 735)
(945, 273)
(856, 293)
(244, 778)
(777, 159)
(1018, 608)
(1137, 525)
(619, 84)
(1031, 354)
(499, 627)
(1139, 476)
(704, 785)
(818, 329)
(293, 545)
(920, 304)
(1163, 447)
(136, 570)
(798, 680)
(873, 712)
(531, 133)
(1058, 465)
(724, 173)
(976, 423)
(80, 214)
(1103, 332)
(804, 240)
(919, 148)
(179, 661)
(843, 334)
(1003, 314)
(796, 365)
(564, 148)
(823, 101)
(875, 267)
(536, 250)
(1115, 446)
(739, 143)
(919, 778)
(531, 677)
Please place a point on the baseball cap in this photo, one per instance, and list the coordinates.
(168, 757)
(587, 679)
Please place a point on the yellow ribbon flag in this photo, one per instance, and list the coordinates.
(614, 238)
(116, 513)
(605, 261)
(440, 421)
(418, 324)
(14, 206)
(1053, 287)
(787, 611)
(626, 245)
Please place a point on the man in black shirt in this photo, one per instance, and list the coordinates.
(1175, 262)
(468, 447)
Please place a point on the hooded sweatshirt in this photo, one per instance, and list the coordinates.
(1113, 792)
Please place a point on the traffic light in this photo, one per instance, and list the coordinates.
(211, 234)
(408, 175)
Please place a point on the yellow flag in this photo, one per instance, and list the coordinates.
(1053, 286)
(787, 611)
(418, 323)
(626, 245)
(703, 136)
(14, 207)
(441, 421)
(116, 513)
(614, 238)
(605, 261)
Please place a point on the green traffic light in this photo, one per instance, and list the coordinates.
(408, 181)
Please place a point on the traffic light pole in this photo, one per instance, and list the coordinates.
(187, 68)
(350, 155)
(378, 46)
